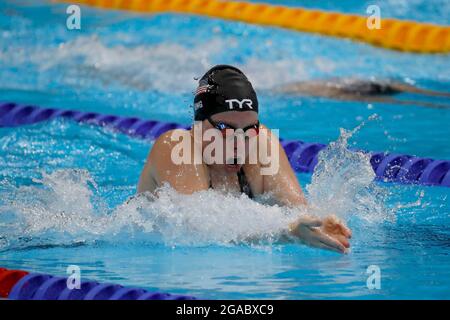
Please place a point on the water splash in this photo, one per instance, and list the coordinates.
(64, 207)
(166, 67)
(343, 182)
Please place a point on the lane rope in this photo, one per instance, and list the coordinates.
(403, 35)
(21, 285)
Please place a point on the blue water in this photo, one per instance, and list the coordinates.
(63, 185)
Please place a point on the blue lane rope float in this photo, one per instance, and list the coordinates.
(303, 156)
(36, 286)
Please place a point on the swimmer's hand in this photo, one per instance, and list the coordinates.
(328, 233)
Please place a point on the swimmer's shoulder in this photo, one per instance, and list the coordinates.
(164, 144)
(158, 159)
(160, 153)
(171, 137)
(269, 133)
(183, 177)
(160, 168)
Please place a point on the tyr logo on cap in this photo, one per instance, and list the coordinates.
(240, 103)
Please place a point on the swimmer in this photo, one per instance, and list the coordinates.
(226, 104)
(352, 89)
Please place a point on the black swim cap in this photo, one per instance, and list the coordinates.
(223, 88)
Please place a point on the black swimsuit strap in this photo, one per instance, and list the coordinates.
(243, 183)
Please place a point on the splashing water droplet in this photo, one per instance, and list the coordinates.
(343, 183)
(63, 207)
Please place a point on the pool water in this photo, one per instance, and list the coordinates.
(64, 186)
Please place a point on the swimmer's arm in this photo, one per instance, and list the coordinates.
(404, 87)
(328, 233)
(160, 169)
(283, 184)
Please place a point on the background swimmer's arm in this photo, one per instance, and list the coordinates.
(404, 87)
(360, 90)
(184, 178)
(283, 185)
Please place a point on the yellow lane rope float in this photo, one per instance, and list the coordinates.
(394, 34)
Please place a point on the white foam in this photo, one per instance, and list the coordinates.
(166, 67)
(343, 184)
(63, 207)
(170, 67)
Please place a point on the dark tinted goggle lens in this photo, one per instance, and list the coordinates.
(225, 129)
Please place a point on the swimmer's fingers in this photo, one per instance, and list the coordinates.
(342, 229)
(335, 226)
(309, 221)
(305, 222)
(346, 231)
(343, 240)
(327, 242)
(307, 229)
(317, 238)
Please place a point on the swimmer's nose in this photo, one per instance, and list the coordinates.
(239, 148)
(239, 144)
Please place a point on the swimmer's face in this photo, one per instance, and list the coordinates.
(237, 139)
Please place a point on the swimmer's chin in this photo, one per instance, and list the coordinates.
(233, 167)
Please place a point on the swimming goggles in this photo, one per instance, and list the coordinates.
(225, 129)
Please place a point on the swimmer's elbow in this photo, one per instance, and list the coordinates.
(146, 181)
(142, 187)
